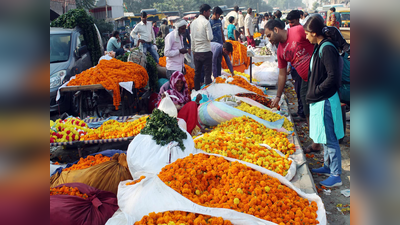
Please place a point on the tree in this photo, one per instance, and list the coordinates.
(136, 6)
(315, 5)
(85, 4)
(103, 26)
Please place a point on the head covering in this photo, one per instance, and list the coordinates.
(182, 95)
(179, 23)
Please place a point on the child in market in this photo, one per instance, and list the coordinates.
(231, 28)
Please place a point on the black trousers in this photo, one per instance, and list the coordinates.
(297, 87)
(202, 60)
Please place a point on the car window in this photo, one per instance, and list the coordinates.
(60, 45)
(80, 41)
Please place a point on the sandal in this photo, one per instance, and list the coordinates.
(309, 149)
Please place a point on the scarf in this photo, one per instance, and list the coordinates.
(184, 94)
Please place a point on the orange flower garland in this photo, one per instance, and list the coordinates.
(239, 56)
(136, 181)
(212, 181)
(88, 162)
(110, 73)
(179, 217)
(73, 191)
(189, 76)
(114, 129)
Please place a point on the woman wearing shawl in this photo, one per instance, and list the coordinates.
(177, 88)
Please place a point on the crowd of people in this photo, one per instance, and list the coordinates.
(316, 56)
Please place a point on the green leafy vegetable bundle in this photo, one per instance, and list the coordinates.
(164, 129)
(151, 68)
(160, 45)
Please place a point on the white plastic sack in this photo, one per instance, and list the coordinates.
(152, 195)
(168, 106)
(217, 90)
(182, 124)
(54, 167)
(145, 155)
(106, 57)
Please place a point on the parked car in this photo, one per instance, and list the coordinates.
(69, 56)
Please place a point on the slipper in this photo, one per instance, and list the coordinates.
(309, 149)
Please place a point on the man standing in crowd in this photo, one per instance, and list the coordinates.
(222, 21)
(293, 18)
(216, 26)
(240, 25)
(114, 44)
(249, 28)
(278, 15)
(164, 29)
(147, 38)
(175, 49)
(235, 14)
(201, 36)
(303, 17)
(296, 49)
(218, 51)
(255, 22)
(155, 28)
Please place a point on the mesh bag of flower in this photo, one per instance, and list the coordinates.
(101, 172)
(80, 204)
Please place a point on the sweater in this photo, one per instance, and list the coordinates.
(324, 76)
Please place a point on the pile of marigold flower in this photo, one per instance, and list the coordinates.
(239, 55)
(114, 129)
(239, 147)
(110, 73)
(256, 35)
(238, 81)
(212, 181)
(189, 76)
(256, 133)
(73, 191)
(136, 181)
(87, 162)
(265, 114)
(70, 129)
(179, 218)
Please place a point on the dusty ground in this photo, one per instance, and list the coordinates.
(315, 160)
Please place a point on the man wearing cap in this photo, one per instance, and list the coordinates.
(175, 49)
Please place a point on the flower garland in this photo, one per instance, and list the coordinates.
(258, 98)
(114, 129)
(239, 56)
(87, 162)
(189, 76)
(73, 191)
(70, 129)
(179, 218)
(212, 181)
(265, 114)
(110, 73)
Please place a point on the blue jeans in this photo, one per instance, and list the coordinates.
(153, 52)
(332, 155)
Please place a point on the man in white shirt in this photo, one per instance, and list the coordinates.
(235, 15)
(201, 36)
(174, 49)
(240, 21)
(147, 39)
(249, 28)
